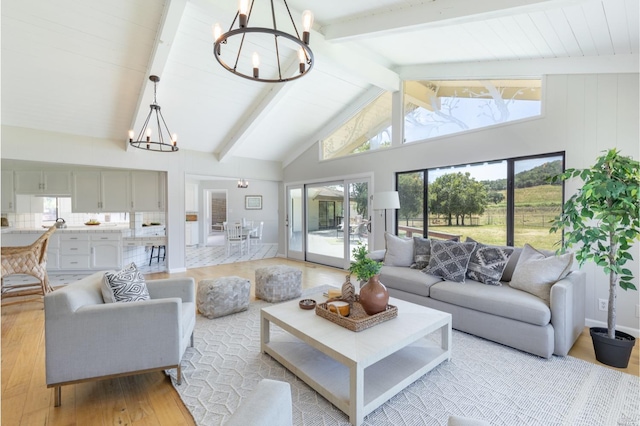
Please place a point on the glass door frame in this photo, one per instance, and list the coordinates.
(290, 216)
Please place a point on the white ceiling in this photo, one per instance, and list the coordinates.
(82, 67)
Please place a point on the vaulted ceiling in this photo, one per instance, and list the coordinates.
(82, 67)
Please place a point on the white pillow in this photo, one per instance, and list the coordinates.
(536, 272)
(399, 251)
(127, 285)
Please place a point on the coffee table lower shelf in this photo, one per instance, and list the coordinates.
(333, 380)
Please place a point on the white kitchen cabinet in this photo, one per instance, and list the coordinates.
(53, 253)
(191, 234)
(147, 191)
(56, 182)
(8, 193)
(101, 191)
(106, 251)
(74, 251)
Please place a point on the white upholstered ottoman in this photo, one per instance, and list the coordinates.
(223, 296)
(278, 282)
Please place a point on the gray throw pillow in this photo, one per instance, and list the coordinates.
(421, 252)
(449, 259)
(536, 272)
(399, 251)
(127, 285)
(487, 263)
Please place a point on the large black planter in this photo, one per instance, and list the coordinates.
(614, 352)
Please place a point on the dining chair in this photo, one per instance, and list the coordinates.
(235, 237)
(257, 235)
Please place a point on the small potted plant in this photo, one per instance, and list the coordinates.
(602, 220)
(373, 295)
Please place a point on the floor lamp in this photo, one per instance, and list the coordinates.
(385, 201)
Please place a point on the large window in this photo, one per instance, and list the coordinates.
(369, 129)
(437, 108)
(500, 202)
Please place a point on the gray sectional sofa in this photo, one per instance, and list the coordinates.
(501, 313)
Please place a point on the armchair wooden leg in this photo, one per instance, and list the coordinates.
(179, 375)
(57, 396)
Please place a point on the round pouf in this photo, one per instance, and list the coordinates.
(277, 283)
(223, 296)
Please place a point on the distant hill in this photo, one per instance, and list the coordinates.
(528, 178)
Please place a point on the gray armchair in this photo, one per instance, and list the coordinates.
(87, 339)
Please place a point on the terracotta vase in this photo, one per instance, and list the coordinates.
(374, 296)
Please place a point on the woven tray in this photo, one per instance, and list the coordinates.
(358, 319)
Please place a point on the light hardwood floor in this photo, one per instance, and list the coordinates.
(145, 399)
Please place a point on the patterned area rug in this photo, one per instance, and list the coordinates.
(483, 380)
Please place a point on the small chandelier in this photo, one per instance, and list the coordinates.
(243, 183)
(240, 65)
(168, 143)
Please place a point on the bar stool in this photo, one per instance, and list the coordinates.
(160, 248)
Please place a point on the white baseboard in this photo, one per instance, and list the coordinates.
(280, 255)
(632, 331)
(177, 270)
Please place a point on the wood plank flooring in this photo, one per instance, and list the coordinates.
(145, 399)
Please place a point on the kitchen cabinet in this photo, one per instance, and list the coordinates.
(39, 182)
(8, 193)
(191, 234)
(106, 251)
(101, 191)
(147, 191)
(53, 253)
(74, 251)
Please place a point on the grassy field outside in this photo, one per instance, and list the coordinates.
(535, 208)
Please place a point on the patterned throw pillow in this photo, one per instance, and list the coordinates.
(421, 252)
(449, 259)
(487, 263)
(127, 285)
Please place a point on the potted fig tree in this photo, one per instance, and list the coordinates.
(602, 221)
(373, 295)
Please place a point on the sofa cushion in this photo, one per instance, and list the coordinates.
(537, 271)
(421, 252)
(407, 279)
(399, 251)
(126, 285)
(503, 301)
(487, 263)
(449, 259)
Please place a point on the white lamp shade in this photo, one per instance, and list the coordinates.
(386, 200)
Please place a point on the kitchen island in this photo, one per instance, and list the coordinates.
(91, 248)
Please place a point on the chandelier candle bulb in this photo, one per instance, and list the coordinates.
(303, 60)
(256, 64)
(131, 134)
(307, 23)
(243, 8)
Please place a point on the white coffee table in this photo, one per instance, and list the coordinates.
(356, 371)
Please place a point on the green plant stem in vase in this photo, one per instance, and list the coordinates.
(373, 295)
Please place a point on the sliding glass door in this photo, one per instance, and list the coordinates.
(327, 220)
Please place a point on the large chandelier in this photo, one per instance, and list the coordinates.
(166, 142)
(287, 49)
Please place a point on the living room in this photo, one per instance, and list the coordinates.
(79, 114)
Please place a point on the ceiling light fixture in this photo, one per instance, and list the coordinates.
(243, 183)
(252, 36)
(168, 143)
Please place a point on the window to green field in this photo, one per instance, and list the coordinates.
(436, 108)
(501, 202)
(368, 130)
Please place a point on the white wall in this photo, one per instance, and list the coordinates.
(49, 147)
(583, 115)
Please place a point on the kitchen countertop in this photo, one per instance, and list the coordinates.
(150, 231)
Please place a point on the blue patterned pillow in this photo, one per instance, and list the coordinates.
(127, 285)
(449, 259)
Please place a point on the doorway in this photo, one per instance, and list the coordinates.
(327, 220)
(216, 216)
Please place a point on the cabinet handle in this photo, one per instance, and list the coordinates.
(74, 263)
(73, 248)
